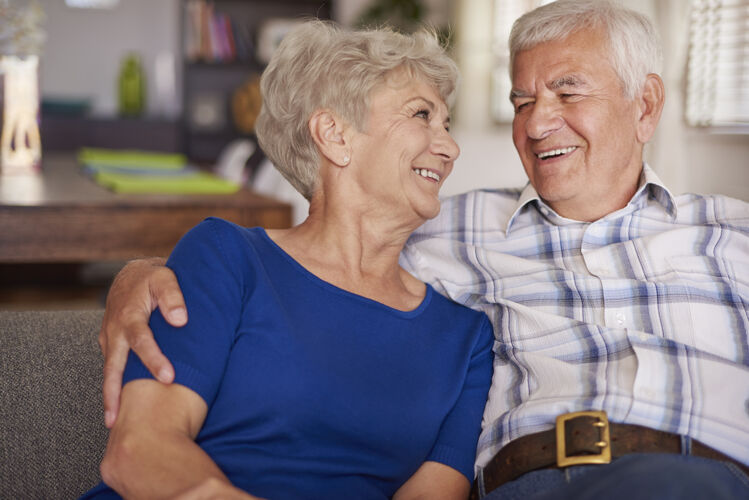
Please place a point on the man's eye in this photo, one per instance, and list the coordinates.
(422, 113)
(521, 105)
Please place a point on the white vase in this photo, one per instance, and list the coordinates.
(20, 143)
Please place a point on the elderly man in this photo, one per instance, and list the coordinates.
(620, 310)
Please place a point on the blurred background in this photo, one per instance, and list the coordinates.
(180, 76)
(85, 48)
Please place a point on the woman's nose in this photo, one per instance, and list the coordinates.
(445, 146)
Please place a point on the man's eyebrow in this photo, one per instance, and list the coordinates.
(566, 81)
(556, 84)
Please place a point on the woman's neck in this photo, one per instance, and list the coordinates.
(355, 248)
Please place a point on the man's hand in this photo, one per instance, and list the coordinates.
(140, 287)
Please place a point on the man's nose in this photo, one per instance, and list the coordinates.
(545, 118)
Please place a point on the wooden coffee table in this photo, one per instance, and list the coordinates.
(62, 216)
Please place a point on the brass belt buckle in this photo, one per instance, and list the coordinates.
(604, 441)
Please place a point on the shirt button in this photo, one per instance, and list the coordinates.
(644, 337)
(620, 317)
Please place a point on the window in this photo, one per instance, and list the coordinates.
(718, 68)
(505, 13)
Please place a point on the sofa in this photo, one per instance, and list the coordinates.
(52, 433)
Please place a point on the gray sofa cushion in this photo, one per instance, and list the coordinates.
(52, 434)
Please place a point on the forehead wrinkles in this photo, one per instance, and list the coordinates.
(573, 61)
(554, 84)
(565, 81)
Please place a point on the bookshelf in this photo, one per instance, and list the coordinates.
(225, 45)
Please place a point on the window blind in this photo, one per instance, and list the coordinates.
(718, 64)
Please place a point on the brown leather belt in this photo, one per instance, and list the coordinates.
(583, 438)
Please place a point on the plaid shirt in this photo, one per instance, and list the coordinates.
(643, 313)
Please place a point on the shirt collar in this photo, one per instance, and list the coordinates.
(527, 197)
(650, 187)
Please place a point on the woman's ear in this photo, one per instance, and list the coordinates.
(329, 133)
(651, 104)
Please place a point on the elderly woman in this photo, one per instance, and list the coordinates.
(313, 365)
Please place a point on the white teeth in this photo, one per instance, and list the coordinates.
(426, 173)
(556, 152)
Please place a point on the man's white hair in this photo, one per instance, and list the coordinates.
(633, 42)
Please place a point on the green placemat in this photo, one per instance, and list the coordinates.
(124, 158)
(196, 183)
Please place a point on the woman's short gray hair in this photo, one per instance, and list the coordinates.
(320, 65)
(632, 40)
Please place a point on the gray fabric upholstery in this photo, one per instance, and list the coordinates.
(52, 433)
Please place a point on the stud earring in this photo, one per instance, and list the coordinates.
(346, 159)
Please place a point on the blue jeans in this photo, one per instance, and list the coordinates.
(637, 476)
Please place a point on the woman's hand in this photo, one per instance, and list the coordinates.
(434, 481)
(140, 287)
(215, 489)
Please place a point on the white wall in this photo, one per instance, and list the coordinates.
(84, 48)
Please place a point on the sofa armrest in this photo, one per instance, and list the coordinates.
(52, 434)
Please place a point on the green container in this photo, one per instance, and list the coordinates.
(132, 87)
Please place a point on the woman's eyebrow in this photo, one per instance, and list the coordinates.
(422, 99)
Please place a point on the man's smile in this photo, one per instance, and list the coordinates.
(555, 153)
